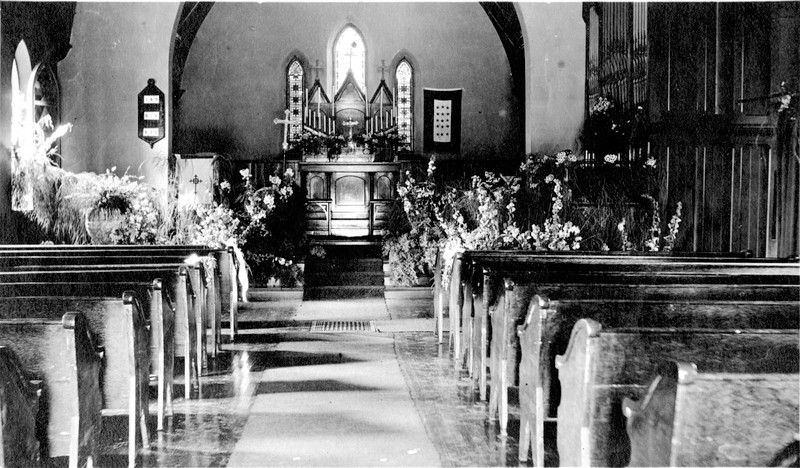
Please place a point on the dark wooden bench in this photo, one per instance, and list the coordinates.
(196, 279)
(120, 325)
(182, 316)
(210, 291)
(503, 283)
(225, 261)
(19, 404)
(548, 324)
(62, 354)
(691, 418)
(603, 366)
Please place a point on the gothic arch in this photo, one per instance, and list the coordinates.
(332, 55)
(504, 17)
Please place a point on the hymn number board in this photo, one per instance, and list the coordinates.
(151, 113)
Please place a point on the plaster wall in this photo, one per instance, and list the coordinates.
(555, 42)
(116, 47)
(234, 79)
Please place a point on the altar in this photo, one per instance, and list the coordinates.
(348, 199)
(348, 157)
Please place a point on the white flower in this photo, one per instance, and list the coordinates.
(549, 178)
(611, 158)
(651, 162)
(269, 202)
(245, 173)
(225, 185)
(274, 180)
(561, 157)
(289, 173)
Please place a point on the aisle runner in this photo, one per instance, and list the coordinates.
(335, 399)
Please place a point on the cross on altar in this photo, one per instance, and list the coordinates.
(383, 69)
(316, 69)
(350, 123)
(195, 180)
(285, 123)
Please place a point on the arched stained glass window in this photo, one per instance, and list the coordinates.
(404, 76)
(349, 54)
(294, 97)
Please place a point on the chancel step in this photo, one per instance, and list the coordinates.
(339, 326)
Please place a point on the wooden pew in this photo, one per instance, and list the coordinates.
(121, 328)
(62, 354)
(177, 286)
(691, 418)
(225, 260)
(510, 279)
(19, 403)
(209, 288)
(602, 366)
(548, 324)
(197, 298)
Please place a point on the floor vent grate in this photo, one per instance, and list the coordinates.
(337, 326)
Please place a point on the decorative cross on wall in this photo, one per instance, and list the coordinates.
(195, 180)
(383, 69)
(317, 69)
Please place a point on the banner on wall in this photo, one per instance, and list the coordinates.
(442, 120)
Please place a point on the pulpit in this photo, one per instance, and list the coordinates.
(348, 199)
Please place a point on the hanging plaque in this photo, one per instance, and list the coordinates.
(151, 113)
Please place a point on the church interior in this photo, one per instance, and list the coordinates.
(399, 233)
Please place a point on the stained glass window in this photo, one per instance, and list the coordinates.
(294, 97)
(349, 54)
(404, 76)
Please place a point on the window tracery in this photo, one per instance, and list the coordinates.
(404, 76)
(295, 85)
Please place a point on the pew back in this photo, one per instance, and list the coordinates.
(601, 367)
(691, 418)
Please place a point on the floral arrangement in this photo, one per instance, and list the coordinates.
(308, 143)
(445, 220)
(383, 145)
(212, 227)
(413, 253)
(272, 234)
(334, 145)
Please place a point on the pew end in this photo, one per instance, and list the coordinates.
(62, 354)
(532, 410)
(605, 370)
(691, 418)
(19, 403)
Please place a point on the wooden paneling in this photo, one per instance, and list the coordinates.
(715, 131)
(748, 203)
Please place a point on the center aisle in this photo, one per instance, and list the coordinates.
(336, 399)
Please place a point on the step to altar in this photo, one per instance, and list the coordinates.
(349, 269)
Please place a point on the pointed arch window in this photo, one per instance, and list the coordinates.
(349, 54)
(295, 84)
(404, 76)
(20, 73)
